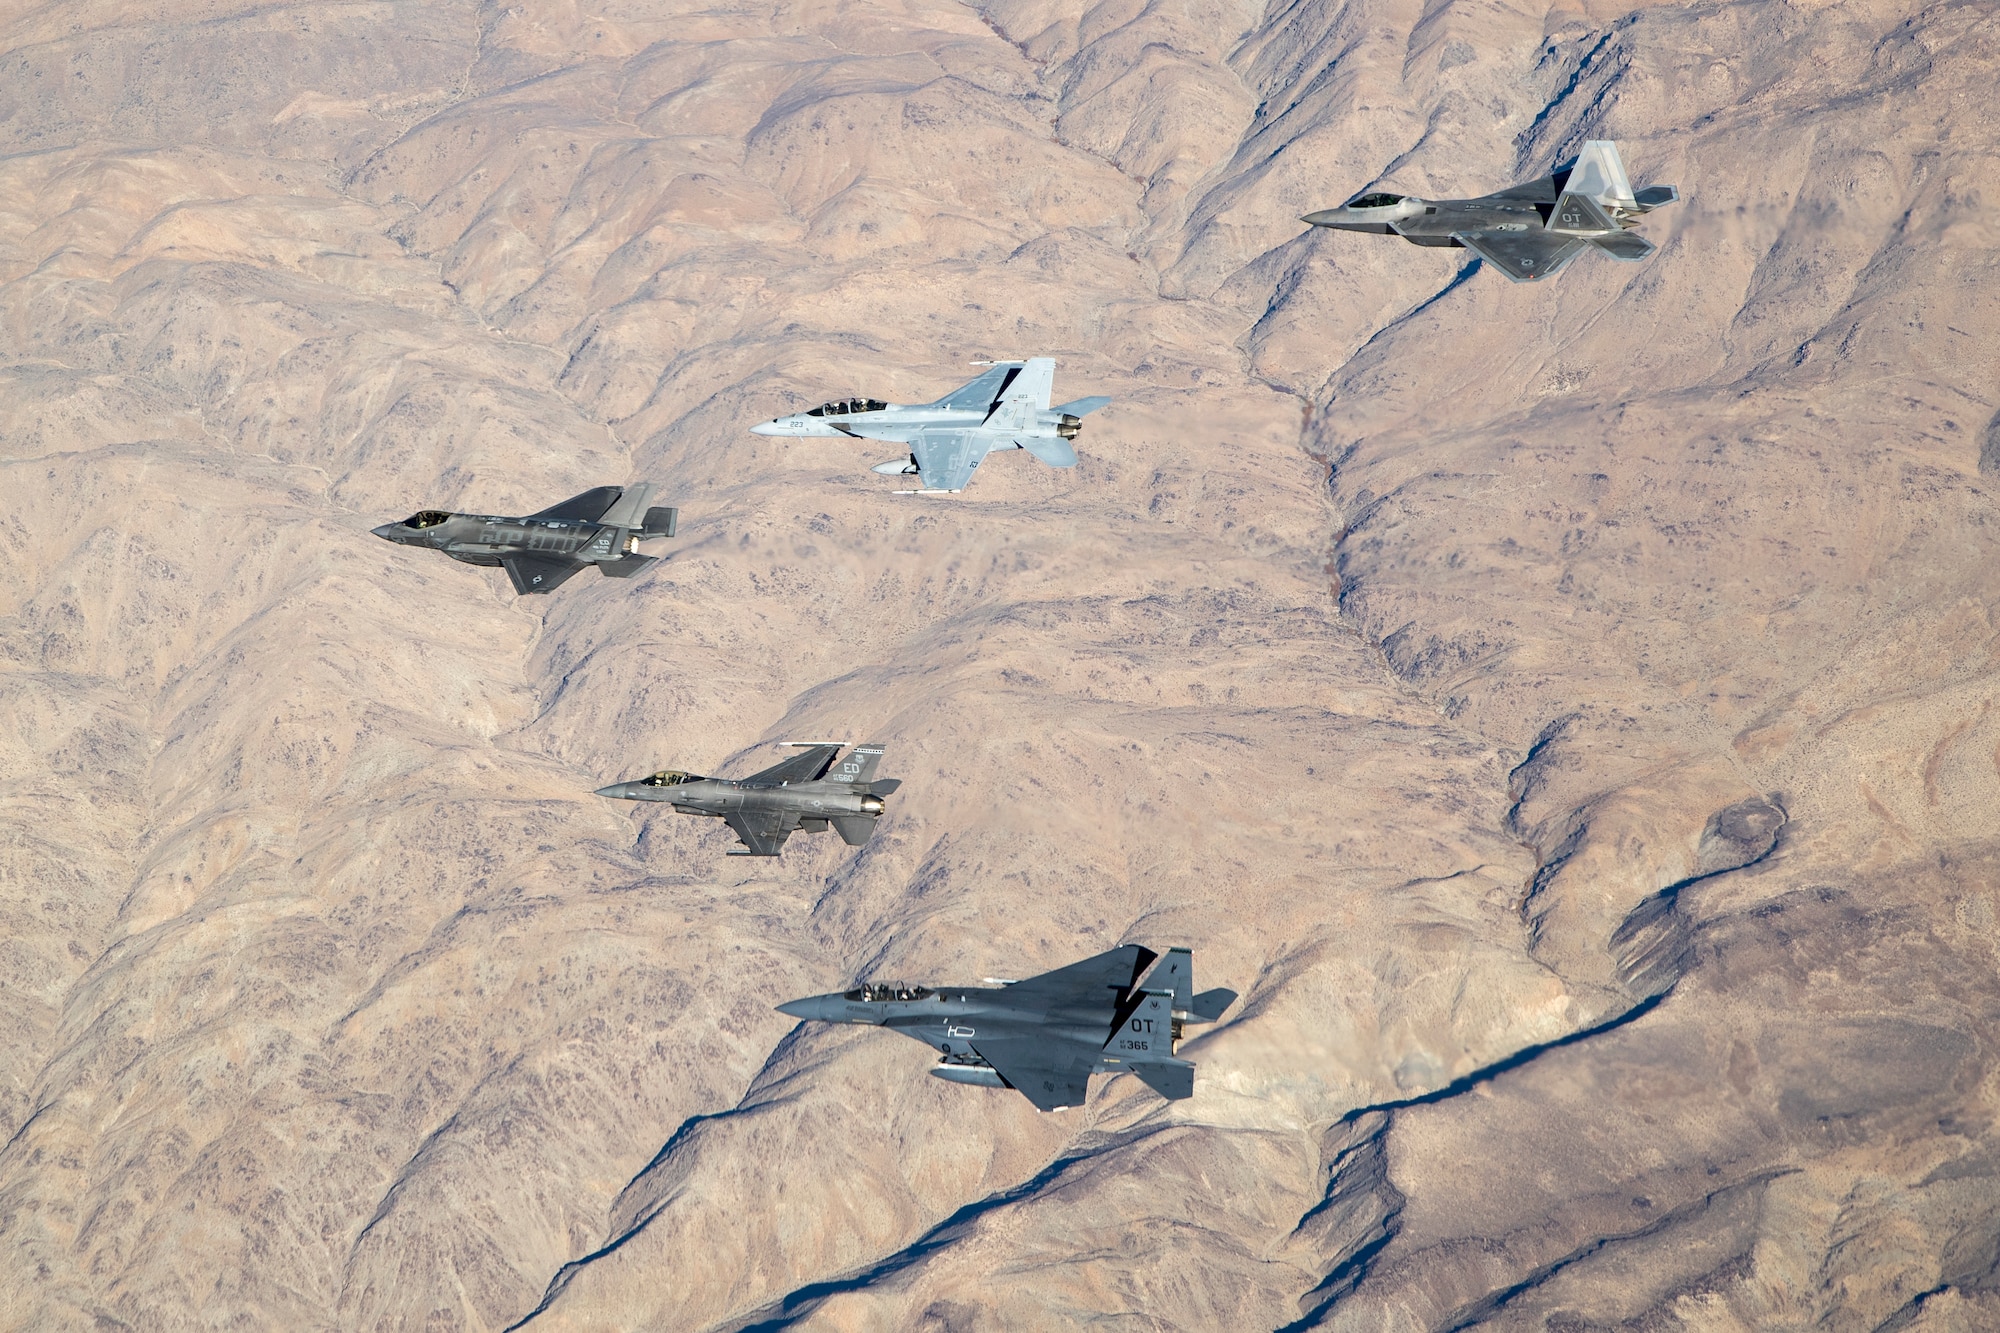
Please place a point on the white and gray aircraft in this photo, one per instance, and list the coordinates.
(1528, 232)
(1005, 408)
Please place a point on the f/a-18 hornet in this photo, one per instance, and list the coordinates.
(601, 527)
(1005, 408)
(1528, 232)
(766, 808)
(1045, 1036)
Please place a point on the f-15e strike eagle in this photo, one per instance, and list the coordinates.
(1045, 1036)
(1528, 232)
(601, 527)
(1005, 408)
(768, 807)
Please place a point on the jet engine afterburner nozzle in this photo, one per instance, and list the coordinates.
(872, 805)
(1068, 427)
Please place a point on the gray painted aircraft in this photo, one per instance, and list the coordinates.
(1528, 232)
(1045, 1036)
(807, 791)
(601, 527)
(1005, 408)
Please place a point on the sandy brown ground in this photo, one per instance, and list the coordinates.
(1565, 712)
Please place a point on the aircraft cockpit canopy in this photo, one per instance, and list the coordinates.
(847, 407)
(1375, 201)
(670, 778)
(427, 518)
(889, 990)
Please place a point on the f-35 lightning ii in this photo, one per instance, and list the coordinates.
(1045, 1036)
(1005, 408)
(768, 807)
(601, 527)
(1528, 232)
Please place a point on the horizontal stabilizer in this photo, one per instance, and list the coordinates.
(625, 566)
(854, 830)
(1629, 246)
(883, 786)
(1209, 1005)
(1056, 452)
(1082, 407)
(661, 521)
(630, 511)
(1656, 196)
(1172, 1079)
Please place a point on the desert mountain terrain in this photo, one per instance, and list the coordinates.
(1563, 711)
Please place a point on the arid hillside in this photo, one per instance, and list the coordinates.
(1563, 711)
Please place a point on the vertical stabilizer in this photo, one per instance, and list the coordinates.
(1176, 974)
(859, 766)
(630, 509)
(1036, 382)
(1599, 175)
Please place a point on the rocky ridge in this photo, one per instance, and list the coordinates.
(1562, 711)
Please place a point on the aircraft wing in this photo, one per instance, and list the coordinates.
(980, 394)
(1052, 1075)
(533, 573)
(589, 507)
(808, 765)
(1543, 191)
(1524, 256)
(945, 458)
(763, 832)
(1094, 981)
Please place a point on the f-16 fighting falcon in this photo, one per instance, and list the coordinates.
(601, 527)
(768, 807)
(1045, 1036)
(1528, 232)
(1005, 408)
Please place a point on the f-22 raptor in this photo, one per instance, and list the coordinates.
(804, 792)
(1528, 232)
(601, 527)
(1005, 408)
(1045, 1036)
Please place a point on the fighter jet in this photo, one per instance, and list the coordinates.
(1045, 1036)
(1528, 232)
(1005, 408)
(601, 527)
(766, 808)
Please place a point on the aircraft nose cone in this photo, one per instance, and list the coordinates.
(617, 790)
(813, 1007)
(768, 428)
(1324, 216)
(387, 532)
